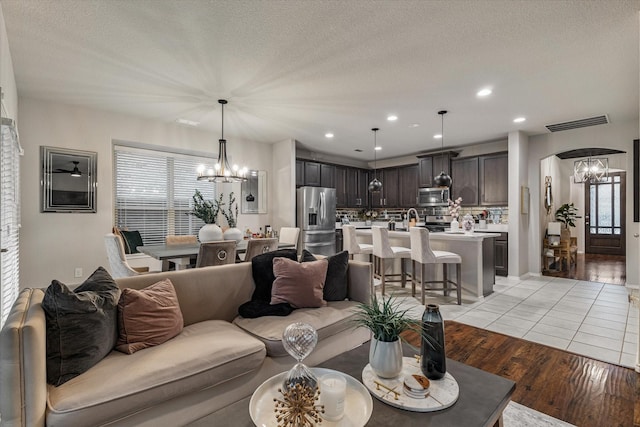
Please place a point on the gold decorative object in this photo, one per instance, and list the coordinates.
(297, 407)
(390, 390)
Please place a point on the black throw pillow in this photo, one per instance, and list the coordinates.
(132, 240)
(253, 309)
(335, 285)
(81, 324)
(262, 270)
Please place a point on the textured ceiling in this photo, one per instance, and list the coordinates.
(299, 69)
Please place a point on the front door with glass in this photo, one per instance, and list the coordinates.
(605, 215)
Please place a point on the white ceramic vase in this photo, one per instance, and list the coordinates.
(209, 233)
(455, 226)
(385, 358)
(233, 234)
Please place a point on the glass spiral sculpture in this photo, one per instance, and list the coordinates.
(299, 339)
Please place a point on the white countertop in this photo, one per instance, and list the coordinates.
(491, 228)
(435, 236)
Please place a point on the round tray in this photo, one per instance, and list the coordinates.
(442, 393)
(358, 403)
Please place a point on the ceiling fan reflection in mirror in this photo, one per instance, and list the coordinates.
(75, 172)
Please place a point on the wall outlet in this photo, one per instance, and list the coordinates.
(78, 272)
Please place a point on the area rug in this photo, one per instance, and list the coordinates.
(517, 415)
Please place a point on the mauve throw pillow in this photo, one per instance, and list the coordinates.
(335, 285)
(81, 325)
(262, 270)
(299, 284)
(148, 317)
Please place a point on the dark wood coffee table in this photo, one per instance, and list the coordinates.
(483, 397)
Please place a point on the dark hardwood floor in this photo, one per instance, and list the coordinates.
(572, 388)
(596, 268)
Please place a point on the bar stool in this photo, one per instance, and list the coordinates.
(382, 250)
(351, 245)
(421, 253)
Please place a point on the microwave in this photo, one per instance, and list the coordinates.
(433, 197)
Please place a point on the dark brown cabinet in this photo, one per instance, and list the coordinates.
(430, 166)
(501, 254)
(464, 174)
(494, 179)
(341, 187)
(327, 176)
(408, 186)
(357, 182)
(312, 174)
(299, 173)
(388, 196)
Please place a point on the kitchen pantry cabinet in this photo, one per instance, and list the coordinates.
(464, 176)
(494, 179)
(357, 183)
(408, 186)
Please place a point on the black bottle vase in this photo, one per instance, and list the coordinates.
(433, 361)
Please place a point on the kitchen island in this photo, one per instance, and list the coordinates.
(476, 251)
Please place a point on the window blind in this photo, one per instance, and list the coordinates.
(10, 152)
(154, 190)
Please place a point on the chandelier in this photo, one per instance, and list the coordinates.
(222, 171)
(590, 169)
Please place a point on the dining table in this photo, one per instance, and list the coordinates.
(181, 254)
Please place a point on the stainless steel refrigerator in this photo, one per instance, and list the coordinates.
(316, 217)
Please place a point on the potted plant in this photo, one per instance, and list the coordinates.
(231, 215)
(207, 211)
(567, 215)
(387, 321)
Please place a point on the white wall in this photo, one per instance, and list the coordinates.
(7, 78)
(615, 135)
(53, 244)
(519, 222)
(283, 190)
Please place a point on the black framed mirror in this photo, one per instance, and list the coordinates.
(68, 181)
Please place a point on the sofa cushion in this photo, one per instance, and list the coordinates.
(335, 285)
(262, 269)
(298, 284)
(81, 325)
(336, 317)
(201, 356)
(148, 317)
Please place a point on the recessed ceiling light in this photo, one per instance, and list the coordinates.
(414, 125)
(519, 120)
(484, 92)
(187, 122)
(378, 148)
(437, 136)
(328, 135)
(392, 118)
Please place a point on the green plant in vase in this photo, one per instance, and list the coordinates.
(567, 214)
(231, 215)
(207, 211)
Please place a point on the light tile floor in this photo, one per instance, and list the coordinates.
(587, 318)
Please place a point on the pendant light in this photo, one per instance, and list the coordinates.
(375, 185)
(443, 180)
(221, 171)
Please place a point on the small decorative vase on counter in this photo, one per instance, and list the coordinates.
(468, 223)
(433, 361)
(455, 226)
(385, 358)
(209, 233)
(233, 233)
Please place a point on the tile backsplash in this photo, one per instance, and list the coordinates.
(497, 215)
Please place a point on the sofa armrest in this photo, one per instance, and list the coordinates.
(23, 365)
(360, 281)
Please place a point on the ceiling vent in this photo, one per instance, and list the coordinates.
(582, 123)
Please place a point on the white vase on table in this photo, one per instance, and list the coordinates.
(210, 233)
(385, 358)
(455, 225)
(233, 233)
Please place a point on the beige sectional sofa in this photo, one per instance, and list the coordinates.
(218, 359)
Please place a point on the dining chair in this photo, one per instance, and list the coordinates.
(422, 254)
(216, 253)
(117, 257)
(180, 263)
(260, 246)
(290, 235)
